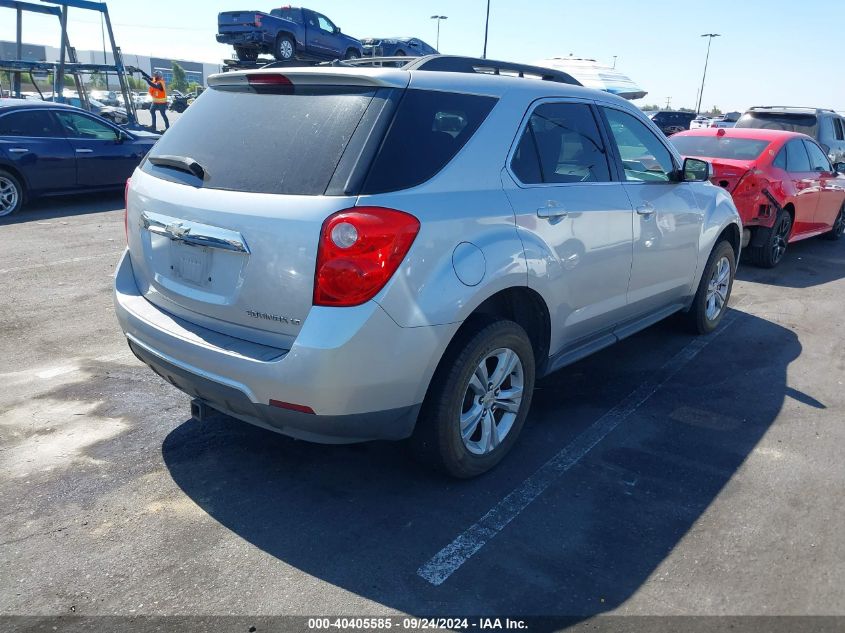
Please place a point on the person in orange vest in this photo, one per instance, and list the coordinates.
(158, 92)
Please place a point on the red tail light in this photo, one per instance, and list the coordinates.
(360, 249)
(126, 210)
(268, 79)
(257, 20)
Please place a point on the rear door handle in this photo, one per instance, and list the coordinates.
(646, 209)
(18, 150)
(552, 210)
(85, 151)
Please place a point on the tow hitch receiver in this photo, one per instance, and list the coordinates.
(200, 411)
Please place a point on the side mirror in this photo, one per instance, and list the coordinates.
(839, 168)
(696, 170)
(121, 136)
(337, 29)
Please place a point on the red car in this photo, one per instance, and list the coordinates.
(782, 184)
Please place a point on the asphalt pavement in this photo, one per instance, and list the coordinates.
(668, 475)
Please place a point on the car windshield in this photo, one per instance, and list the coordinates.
(719, 147)
(790, 122)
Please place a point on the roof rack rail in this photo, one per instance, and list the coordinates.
(473, 65)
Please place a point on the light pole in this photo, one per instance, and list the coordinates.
(614, 61)
(709, 37)
(439, 18)
(486, 29)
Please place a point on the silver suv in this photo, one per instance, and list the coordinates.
(826, 126)
(344, 254)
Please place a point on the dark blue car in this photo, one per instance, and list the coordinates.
(51, 148)
(396, 47)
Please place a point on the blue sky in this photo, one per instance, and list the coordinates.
(769, 53)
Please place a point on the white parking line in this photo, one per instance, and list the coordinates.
(450, 558)
(115, 254)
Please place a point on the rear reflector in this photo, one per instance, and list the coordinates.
(299, 408)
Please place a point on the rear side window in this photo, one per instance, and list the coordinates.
(796, 157)
(780, 160)
(839, 129)
(267, 143)
(34, 123)
(428, 131)
(561, 144)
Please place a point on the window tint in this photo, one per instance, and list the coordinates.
(81, 126)
(719, 146)
(780, 159)
(272, 142)
(644, 157)
(839, 129)
(818, 159)
(796, 157)
(429, 129)
(803, 123)
(561, 144)
(324, 23)
(36, 123)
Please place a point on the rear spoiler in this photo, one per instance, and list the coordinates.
(325, 76)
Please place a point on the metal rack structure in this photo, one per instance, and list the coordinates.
(68, 63)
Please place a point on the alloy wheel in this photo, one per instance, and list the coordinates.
(781, 238)
(8, 196)
(717, 289)
(285, 49)
(491, 401)
(839, 224)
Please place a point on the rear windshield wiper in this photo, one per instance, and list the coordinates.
(181, 163)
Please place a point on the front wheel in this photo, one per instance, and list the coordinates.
(11, 194)
(284, 49)
(478, 400)
(714, 290)
(773, 249)
(352, 54)
(838, 228)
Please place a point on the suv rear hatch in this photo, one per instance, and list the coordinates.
(804, 123)
(224, 217)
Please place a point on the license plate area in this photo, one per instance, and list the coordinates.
(191, 264)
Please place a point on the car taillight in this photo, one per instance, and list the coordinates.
(360, 249)
(126, 210)
(257, 20)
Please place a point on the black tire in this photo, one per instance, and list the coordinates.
(12, 194)
(437, 440)
(246, 54)
(401, 53)
(352, 54)
(838, 229)
(285, 48)
(774, 243)
(699, 320)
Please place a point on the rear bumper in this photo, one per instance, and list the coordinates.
(362, 375)
(247, 39)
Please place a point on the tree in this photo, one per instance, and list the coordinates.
(192, 87)
(715, 111)
(180, 79)
(98, 80)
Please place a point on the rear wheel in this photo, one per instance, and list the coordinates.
(284, 49)
(838, 229)
(771, 252)
(352, 54)
(714, 290)
(246, 54)
(11, 194)
(478, 400)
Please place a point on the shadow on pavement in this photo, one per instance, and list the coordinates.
(365, 518)
(51, 208)
(807, 263)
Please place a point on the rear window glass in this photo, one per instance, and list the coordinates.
(803, 123)
(429, 129)
(266, 143)
(719, 147)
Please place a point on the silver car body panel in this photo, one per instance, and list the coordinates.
(242, 316)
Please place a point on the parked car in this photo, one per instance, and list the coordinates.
(826, 126)
(52, 148)
(782, 184)
(725, 121)
(118, 116)
(286, 33)
(700, 122)
(396, 47)
(671, 122)
(307, 274)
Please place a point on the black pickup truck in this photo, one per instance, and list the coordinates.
(286, 33)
